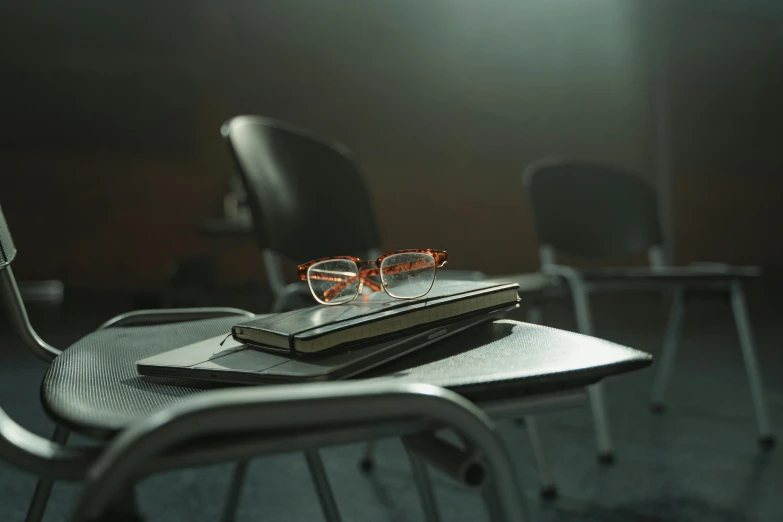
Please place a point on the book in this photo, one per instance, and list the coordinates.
(372, 316)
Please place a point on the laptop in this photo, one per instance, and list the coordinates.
(234, 362)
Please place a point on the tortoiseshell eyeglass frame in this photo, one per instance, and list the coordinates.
(367, 270)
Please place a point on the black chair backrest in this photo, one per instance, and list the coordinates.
(591, 210)
(7, 247)
(307, 196)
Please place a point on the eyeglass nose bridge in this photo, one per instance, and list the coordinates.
(370, 263)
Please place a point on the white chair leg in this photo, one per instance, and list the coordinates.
(603, 435)
(43, 489)
(547, 482)
(584, 323)
(766, 438)
(669, 352)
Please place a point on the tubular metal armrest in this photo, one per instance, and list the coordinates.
(172, 315)
(35, 454)
(17, 314)
(303, 408)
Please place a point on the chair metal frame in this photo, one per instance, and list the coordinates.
(726, 278)
(253, 422)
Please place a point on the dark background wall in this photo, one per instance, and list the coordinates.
(111, 155)
(726, 69)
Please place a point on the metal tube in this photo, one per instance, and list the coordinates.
(44, 486)
(423, 483)
(669, 352)
(755, 380)
(322, 486)
(235, 491)
(545, 479)
(171, 315)
(17, 314)
(463, 466)
(304, 407)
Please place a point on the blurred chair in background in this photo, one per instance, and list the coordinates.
(308, 200)
(593, 211)
(307, 197)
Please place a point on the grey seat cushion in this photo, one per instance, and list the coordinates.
(93, 387)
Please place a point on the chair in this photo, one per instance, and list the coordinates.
(96, 376)
(307, 197)
(593, 211)
(93, 387)
(508, 369)
(253, 421)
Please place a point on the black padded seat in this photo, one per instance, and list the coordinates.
(93, 386)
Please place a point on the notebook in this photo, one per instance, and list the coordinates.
(371, 317)
(213, 360)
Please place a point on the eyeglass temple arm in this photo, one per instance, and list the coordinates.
(364, 278)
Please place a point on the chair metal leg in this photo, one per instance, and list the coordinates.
(584, 323)
(547, 482)
(279, 304)
(494, 493)
(669, 352)
(235, 491)
(423, 485)
(534, 315)
(322, 487)
(367, 463)
(600, 419)
(766, 438)
(124, 508)
(43, 489)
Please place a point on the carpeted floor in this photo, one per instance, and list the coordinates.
(699, 462)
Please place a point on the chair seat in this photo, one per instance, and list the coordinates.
(505, 358)
(93, 386)
(690, 274)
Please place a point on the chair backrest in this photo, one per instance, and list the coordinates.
(307, 196)
(591, 210)
(7, 247)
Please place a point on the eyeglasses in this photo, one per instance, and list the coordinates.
(403, 274)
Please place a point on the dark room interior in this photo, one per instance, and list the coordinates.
(173, 165)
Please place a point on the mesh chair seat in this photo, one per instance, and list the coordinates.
(93, 387)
